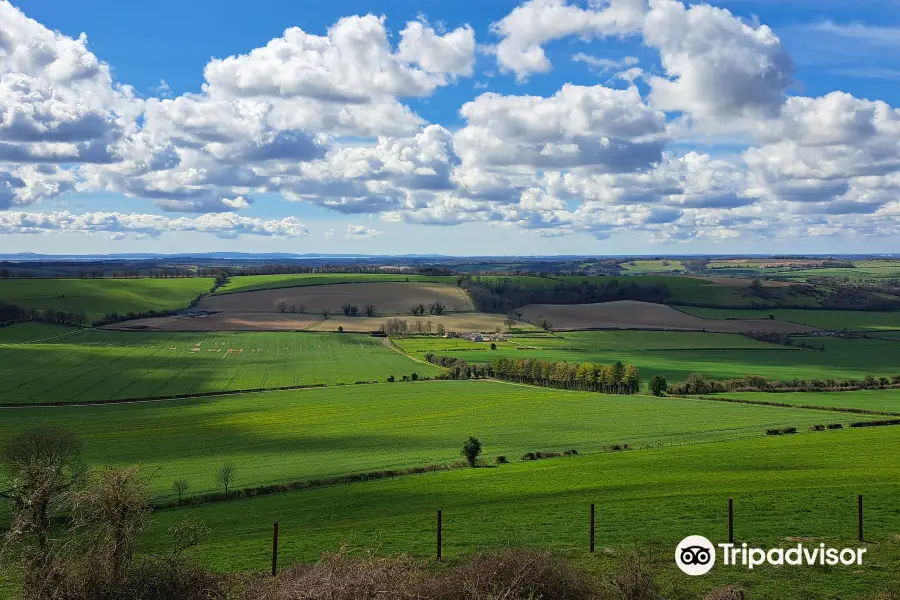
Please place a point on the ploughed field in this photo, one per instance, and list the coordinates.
(47, 364)
(387, 298)
(97, 297)
(629, 314)
(786, 489)
(324, 432)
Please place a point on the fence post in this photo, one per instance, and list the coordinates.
(730, 521)
(592, 528)
(274, 548)
(860, 517)
(440, 534)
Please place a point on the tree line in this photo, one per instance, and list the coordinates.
(503, 294)
(12, 313)
(696, 383)
(616, 378)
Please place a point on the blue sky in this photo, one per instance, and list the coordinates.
(761, 173)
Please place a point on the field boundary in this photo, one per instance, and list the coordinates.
(859, 411)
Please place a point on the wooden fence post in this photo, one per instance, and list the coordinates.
(860, 517)
(730, 521)
(275, 549)
(440, 534)
(592, 528)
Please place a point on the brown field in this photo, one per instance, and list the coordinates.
(629, 314)
(388, 298)
(224, 321)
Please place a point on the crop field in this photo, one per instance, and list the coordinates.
(882, 400)
(300, 434)
(388, 298)
(854, 320)
(841, 359)
(629, 314)
(640, 267)
(97, 297)
(784, 488)
(248, 283)
(75, 366)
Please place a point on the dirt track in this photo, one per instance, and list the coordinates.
(388, 298)
(628, 314)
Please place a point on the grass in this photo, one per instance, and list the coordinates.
(291, 436)
(249, 283)
(854, 320)
(803, 485)
(886, 400)
(72, 365)
(97, 297)
(640, 267)
(677, 354)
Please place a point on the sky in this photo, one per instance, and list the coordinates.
(460, 128)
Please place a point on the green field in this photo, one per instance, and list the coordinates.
(249, 283)
(886, 400)
(295, 435)
(97, 297)
(72, 365)
(854, 320)
(677, 354)
(641, 267)
(803, 485)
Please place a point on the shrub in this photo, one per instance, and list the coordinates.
(500, 460)
(835, 426)
(571, 452)
(880, 423)
(817, 428)
(617, 447)
(781, 431)
(391, 379)
(529, 456)
(729, 592)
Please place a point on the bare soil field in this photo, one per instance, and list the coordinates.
(227, 321)
(629, 314)
(388, 298)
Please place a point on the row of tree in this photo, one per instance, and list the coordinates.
(12, 313)
(696, 383)
(617, 378)
(435, 308)
(396, 327)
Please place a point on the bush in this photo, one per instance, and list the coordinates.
(729, 592)
(500, 460)
(391, 379)
(817, 428)
(571, 452)
(781, 431)
(880, 423)
(529, 456)
(617, 447)
(835, 426)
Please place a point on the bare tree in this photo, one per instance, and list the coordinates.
(225, 476)
(41, 467)
(436, 308)
(354, 310)
(180, 486)
(325, 313)
(346, 308)
(369, 309)
(114, 507)
(282, 306)
(293, 308)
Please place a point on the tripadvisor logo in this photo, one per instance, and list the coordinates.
(696, 555)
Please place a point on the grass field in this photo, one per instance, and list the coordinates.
(96, 297)
(73, 365)
(842, 358)
(286, 436)
(803, 485)
(854, 320)
(886, 400)
(248, 283)
(641, 267)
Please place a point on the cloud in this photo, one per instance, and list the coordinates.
(452, 53)
(360, 232)
(119, 224)
(528, 27)
(603, 65)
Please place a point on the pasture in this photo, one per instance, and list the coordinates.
(853, 320)
(841, 359)
(641, 267)
(883, 400)
(300, 434)
(249, 283)
(785, 488)
(97, 297)
(629, 314)
(387, 298)
(69, 365)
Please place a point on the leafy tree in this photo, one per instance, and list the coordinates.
(658, 385)
(414, 376)
(391, 379)
(493, 346)
(353, 311)
(180, 486)
(225, 476)
(340, 329)
(471, 449)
